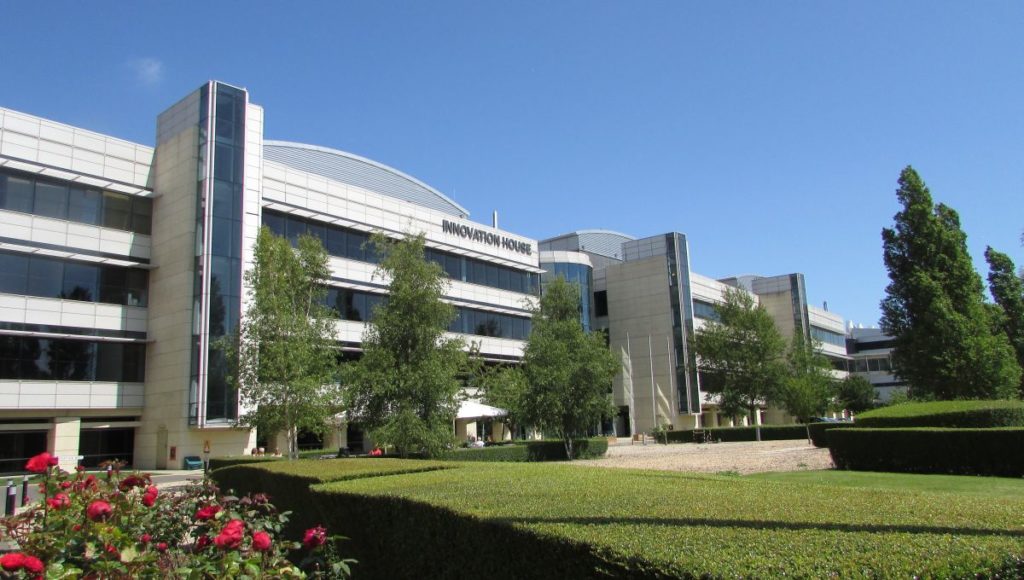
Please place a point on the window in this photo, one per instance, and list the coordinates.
(80, 282)
(51, 200)
(601, 303)
(13, 273)
(30, 358)
(117, 210)
(17, 194)
(84, 205)
(45, 278)
(142, 215)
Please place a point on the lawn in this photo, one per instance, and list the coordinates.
(964, 485)
(658, 524)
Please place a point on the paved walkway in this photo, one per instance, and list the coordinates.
(743, 457)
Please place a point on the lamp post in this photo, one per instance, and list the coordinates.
(206, 456)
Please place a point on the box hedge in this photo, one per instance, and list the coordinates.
(818, 431)
(219, 462)
(728, 434)
(548, 450)
(969, 414)
(930, 450)
(558, 521)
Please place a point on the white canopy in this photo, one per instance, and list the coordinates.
(474, 410)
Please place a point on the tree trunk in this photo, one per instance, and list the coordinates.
(568, 447)
(754, 419)
(293, 442)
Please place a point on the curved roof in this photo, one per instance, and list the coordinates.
(360, 172)
(601, 242)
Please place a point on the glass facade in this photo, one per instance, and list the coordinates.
(50, 359)
(582, 276)
(358, 306)
(353, 244)
(705, 310)
(70, 280)
(218, 258)
(70, 201)
(687, 382)
(828, 336)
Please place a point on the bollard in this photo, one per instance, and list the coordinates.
(24, 490)
(12, 494)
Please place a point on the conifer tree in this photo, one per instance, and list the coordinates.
(934, 308)
(1008, 291)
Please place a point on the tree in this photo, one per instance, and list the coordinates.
(808, 387)
(404, 388)
(855, 394)
(741, 355)
(504, 387)
(1008, 291)
(934, 306)
(568, 372)
(286, 358)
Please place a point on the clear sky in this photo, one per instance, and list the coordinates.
(771, 133)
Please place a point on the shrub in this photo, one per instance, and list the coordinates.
(554, 450)
(973, 414)
(218, 462)
(768, 433)
(123, 526)
(818, 431)
(930, 450)
(509, 453)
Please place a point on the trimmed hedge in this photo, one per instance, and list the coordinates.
(530, 451)
(557, 521)
(727, 434)
(219, 462)
(506, 453)
(968, 414)
(930, 450)
(818, 431)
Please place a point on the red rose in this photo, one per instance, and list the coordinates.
(132, 481)
(207, 512)
(87, 483)
(314, 537)
(149, 498)
(40, 463)
(76, 528)
(161, 547)
(98, 510)
(65, 485)
(145, 539)
(231, 536)
(202, 542)
(261, 541)
(113, 551)
(59, 501)
(33, 565)
(12, 562)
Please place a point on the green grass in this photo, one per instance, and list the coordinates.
(964, 485)
(669, 524)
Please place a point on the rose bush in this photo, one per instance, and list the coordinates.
(123, 527)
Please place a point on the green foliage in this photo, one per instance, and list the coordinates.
(504, 387)
(404, 388)
(978, 414)
(817, 431)
(963, 485)
(227, 461)
(1008, 290)
(855, 394)
(729, 434)
(531, 451)
(286, 357)
(572, 522)
(741, 355)
(808, 388)
(934, 306)
(930, 450)
(568, 373)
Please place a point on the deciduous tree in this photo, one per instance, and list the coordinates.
(568, 372)
(809, 387)
(286, 354)
(855, 394)
(404, 388)
(934, 308)
(741, 356)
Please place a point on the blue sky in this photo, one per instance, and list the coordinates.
(771, 133)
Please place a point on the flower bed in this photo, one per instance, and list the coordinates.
(122, 526)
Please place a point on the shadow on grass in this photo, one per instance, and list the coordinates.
(766, 525)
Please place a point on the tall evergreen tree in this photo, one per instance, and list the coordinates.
(741, 356)
(404, 388)
(568, 373)
(934, 305)
(286, 355)
(1008, 291)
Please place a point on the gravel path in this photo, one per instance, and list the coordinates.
(743, 458)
